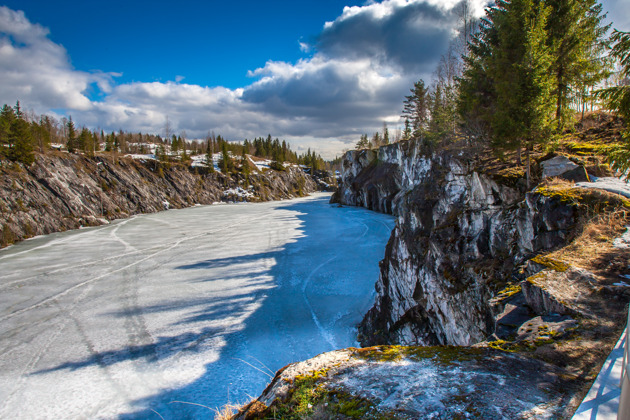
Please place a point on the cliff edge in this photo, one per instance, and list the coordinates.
(62, 191)
(494, 300)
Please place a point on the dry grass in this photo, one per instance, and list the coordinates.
(226, 412)
(592, 249)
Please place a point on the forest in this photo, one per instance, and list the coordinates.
(518, 77)
(22, 134)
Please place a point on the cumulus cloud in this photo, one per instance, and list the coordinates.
(362, 65)
(37, 71)
(410, 35)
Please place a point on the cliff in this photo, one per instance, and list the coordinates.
(465, 227)
(460, 234)
(482, 278)
(62, 191)
(493, 301)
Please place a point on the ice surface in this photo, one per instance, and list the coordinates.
(198, 305)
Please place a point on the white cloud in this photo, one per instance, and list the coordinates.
(363, 63)
(37, 71)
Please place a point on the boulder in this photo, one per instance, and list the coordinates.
(563, 167)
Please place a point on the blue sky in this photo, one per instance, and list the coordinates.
(315, 72)
(210, 43)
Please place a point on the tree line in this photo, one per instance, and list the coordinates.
(518, 76)
(22, 133)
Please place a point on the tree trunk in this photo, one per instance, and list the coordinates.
(518, 156)
(528, 168)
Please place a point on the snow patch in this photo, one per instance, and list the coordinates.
(239, 192)
(142, 157)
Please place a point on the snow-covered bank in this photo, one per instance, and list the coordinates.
(196, 305)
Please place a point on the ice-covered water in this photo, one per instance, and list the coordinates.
(148, 316)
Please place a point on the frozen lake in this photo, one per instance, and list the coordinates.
(145, 317)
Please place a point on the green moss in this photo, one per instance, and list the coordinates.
(309, 395)
(445, 355)
(594, 200)
(550, 263)
(586, 148)
(508, 346)
(507, 175)
(509, 291)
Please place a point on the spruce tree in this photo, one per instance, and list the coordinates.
(71, 134)
(416, 108)
(21, 140)
(476, 102)
(7, 117)
(617, 98)
(576, 37)
(407, 131)
(521, 69)
(226, 162)
(245, 166)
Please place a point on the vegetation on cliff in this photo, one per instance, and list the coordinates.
(21, 134)
(61, 191)
(523, 80)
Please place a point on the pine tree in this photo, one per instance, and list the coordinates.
(416, 108)
(577, 39)
(617, 98)
(226, 162)
(71, 134)
(85, 142)
(522, 77)
(20, 139)
(376, 140)
(363, 142)
(245, 166)
(7, 117)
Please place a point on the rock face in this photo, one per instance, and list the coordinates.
(561, 166)
(414, 383)
(63, 191)
(460, 233)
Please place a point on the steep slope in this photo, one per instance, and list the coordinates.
(466, 225)
(63, 191)
(509, 298)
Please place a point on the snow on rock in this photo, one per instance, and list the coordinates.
(610, 184)
(239, 192)
(425, 383)
(140, 157)
(260, 163)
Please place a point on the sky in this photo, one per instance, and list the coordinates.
(317, 73)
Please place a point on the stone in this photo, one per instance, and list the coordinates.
(578, 174)
(420, 383)
(557, 166)
(457, 229)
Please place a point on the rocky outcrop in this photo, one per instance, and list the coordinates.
(62, 191)
(415, 383)
(460, 234)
